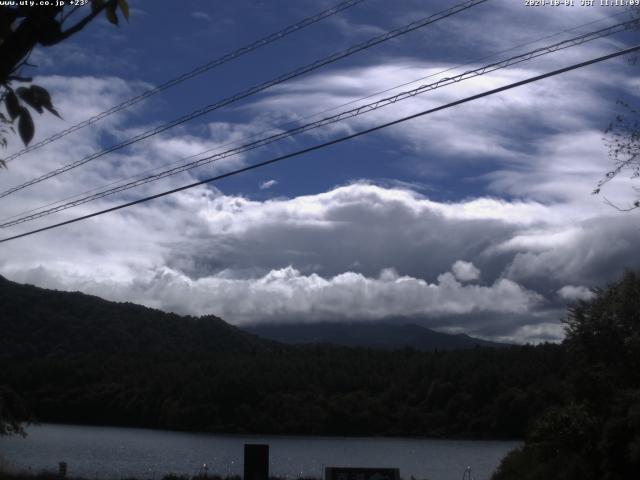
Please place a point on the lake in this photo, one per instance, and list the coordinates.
(114, 453)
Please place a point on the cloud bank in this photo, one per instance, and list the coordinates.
(358, 252)
(506, 235)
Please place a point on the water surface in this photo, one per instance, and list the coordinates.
(114, 453)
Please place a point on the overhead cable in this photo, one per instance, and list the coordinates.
(329, 143)
(378, 104)
(306, 117)
(253, 90)
(190, 74)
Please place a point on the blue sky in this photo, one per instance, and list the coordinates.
(477, 219)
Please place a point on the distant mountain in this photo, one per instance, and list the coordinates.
(41, 323)
(386, 336)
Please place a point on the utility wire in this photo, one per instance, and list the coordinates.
(581, 39)
(193, 73)
(307, 117)
(331, 142)
(256, 89)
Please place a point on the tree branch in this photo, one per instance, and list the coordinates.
(635, 205)
(71, 12)
(82, 23)
(20, 42)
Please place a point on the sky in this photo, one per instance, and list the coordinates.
(476, 219)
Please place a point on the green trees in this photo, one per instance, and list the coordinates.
(623, 139)
(12, 412)
(323, 390)
(595, 432)
(604, 332)
(22, 28)
(603, 336)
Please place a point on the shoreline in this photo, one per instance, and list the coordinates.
(51, 475)
(108, 453)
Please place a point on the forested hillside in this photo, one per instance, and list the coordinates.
(37, 323)
(472, 393)
(77, 358)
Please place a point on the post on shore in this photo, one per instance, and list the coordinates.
(62, 469)
(256, 462)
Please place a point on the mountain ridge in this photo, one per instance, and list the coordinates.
(52, 323)
(382, 335)
(45, 322)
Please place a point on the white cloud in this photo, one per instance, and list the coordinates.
(573, 293)
(534, 333)
(77, 98)
(201, 16)
(465, 271)
(482, 127)
(598, 254)
(542, 141)
(360, 251)
(288, 295)
(268, 184)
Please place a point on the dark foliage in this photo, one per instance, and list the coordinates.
(46, 475)
(42, 324)
(473, 393)
(595, 432)
(13, 412)
(23, 27)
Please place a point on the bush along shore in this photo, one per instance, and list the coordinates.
(47, 475)
(9, 474)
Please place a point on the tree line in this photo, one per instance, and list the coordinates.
(477, 393)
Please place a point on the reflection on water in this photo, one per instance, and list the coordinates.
(114, 453)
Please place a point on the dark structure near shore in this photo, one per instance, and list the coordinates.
(256, 462)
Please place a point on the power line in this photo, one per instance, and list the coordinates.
(236, 142)
(192, 73)
(486, 57)
(6, 220)
(381, 103)
(256, 89)
(331, 142)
